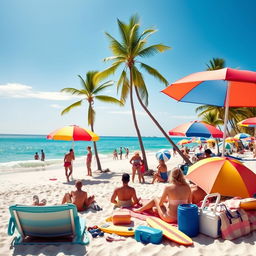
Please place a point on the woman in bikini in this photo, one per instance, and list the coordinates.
(178, 192)
(136, 163)
(161, 175)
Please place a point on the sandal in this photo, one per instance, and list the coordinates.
(114, 237)
(35, 200)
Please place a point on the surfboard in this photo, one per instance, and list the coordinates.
(119, 230)
(169, 231)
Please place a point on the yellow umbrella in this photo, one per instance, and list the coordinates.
(183, 142)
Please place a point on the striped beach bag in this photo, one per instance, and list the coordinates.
(234, 223)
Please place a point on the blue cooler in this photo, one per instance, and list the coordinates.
(188, 219)
(147, 235)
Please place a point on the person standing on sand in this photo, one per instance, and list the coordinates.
(125, 195)
(120, 153)
(126, 153)
(89, 161)
(136, 163)
(42, 155)
(69, 157)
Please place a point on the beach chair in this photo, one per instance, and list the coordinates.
(47, 225)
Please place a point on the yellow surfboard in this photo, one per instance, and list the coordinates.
(169, 231)
(119, 230)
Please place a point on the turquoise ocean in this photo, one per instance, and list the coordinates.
(17, 151)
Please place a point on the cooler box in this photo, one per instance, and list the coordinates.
(147, 235)
(209, 220)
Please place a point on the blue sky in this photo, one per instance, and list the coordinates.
(45, 44)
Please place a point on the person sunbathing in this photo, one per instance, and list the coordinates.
(178, 192)
(161, 175)
(124, 196)
(79, 197)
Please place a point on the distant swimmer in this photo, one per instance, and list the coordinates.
(69, 157)
(36, 156)
(42, 155)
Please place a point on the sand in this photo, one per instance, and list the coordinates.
(19, 187)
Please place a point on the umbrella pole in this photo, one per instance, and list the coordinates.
(225, 119)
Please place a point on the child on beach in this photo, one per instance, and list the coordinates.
(142, 170)
(79, 197)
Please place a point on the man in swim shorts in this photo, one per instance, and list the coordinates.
(78, 197)
(125, 195)
(69, 157)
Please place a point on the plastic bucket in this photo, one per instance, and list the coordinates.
(188, 219)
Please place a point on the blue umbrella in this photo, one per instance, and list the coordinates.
(163, 154)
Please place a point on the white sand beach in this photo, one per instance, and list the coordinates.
(19, 187)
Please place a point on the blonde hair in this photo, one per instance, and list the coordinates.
(177, 177)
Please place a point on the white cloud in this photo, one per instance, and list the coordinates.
(24, 91)
(56, 106)
(127, 113)
(184, 117)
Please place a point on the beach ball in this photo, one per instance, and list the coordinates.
(163, 154)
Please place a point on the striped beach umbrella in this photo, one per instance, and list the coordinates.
(163, 154)
(249, 122)
(196, 129)
(223, 175)
(241, 136)
(231, 140)
(73, 133)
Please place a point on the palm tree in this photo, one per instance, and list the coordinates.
(128, 51)
(216, 63)
(91, 89)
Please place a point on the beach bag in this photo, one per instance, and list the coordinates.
(234, 223)
(147, 235)
(121, 217)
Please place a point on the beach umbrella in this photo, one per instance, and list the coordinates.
(223, 87)
(198, 140)
(184, 141)
(241, 136)
(249, 122)
(163, 154)
(73, 133)
(227, 145)
(211, 140)
(231, 140)
(196, 128)
(223, 175)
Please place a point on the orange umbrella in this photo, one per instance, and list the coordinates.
(183, 142)
(224, 175)
(231, 140)
(73, 133)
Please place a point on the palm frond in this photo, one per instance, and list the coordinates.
(124, 31)
(108, 99)
(84, 85)
(116, 47)
(103, 86)
(154, 72)
(67, 109)
(134, 20)
(91, 115)
(108, 71)
(146, 33)
(153, 49)
(133, 38)
(123, 82)
(114, 58)
(72, 91)
(138, 81)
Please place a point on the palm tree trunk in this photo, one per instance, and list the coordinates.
(94, 144)
(136, 124)
(96, 153)
(161, 129)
